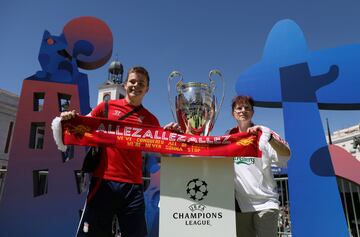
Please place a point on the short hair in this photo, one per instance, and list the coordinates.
(140, 70)
(245, 99)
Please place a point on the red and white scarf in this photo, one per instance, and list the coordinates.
(91, 131)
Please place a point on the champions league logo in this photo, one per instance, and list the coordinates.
(196, 189)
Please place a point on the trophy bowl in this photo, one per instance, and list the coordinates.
(195, 106)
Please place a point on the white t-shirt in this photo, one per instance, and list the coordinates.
(255, 187)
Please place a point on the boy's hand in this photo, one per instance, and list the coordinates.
(68, 115)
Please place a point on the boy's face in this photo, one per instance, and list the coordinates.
(243, 112)
(136, 86)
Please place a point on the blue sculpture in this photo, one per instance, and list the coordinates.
(58, 66)
(301, 81)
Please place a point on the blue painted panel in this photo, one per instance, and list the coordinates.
(301, 81)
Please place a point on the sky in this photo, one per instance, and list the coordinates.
(191, 36)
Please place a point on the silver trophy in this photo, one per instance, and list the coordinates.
(195, 106)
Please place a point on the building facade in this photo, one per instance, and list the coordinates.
(8, 108)
(112, 88)
(348, 139)
(42, 183)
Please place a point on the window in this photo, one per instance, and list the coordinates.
(7, 144)
(38, 101)
(68, 154)
(2, 180)
(37, 133)
(107, 97)
(81, 181)
(64, 102)
(40, 182)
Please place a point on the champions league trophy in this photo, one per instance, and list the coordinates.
(195, 106)
(190, 203)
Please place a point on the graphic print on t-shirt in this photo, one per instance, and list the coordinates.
(244, 160)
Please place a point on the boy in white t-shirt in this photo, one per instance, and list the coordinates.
(255, 188)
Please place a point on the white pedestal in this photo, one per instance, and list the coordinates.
(197, 197)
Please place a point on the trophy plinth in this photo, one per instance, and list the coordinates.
(191, 203)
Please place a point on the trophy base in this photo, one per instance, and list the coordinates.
(197, 197)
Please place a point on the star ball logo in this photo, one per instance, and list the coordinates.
(199, 215)
(196, 189)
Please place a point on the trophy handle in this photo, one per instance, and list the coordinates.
(173, 75)
(213, 73)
